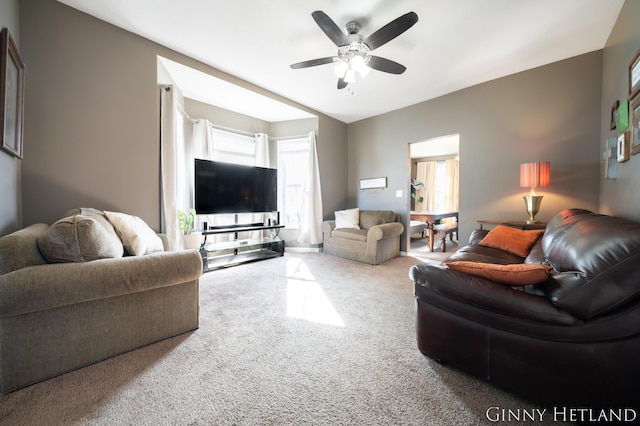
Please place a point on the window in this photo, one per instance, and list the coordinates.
(441, 186)
(234, 148)
(293, 162)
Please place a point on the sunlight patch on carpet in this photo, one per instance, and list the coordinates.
(306, 299)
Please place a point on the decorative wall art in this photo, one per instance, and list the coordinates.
(614, 115)
(610, 158)
(373, 183)
(621, 116)
(623, 147)
(634, 76)
(635, 126)
(11, 95)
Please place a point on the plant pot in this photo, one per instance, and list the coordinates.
(192, 241)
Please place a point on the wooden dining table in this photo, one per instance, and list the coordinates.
(431, 219)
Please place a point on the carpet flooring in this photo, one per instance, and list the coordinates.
(304, 339)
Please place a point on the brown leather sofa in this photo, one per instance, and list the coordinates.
(572, 340)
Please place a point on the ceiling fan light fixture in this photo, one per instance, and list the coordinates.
(359, 64)
(350, 76)
(341, 68)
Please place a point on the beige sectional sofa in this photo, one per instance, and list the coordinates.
(369, 236)
(57, 315)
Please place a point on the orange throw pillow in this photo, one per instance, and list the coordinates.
(512, 274)
(513, 240)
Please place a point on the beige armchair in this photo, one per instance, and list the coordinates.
(374, 239)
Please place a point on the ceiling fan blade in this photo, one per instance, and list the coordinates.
(341, 83)
(312, 62)
(326, 24)
(386, 65)
(392, 30)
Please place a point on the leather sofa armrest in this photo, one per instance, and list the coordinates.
(384, 231)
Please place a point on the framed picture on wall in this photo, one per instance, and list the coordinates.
(635, 126)
(634, 76)
(614, 115)
(11, 95)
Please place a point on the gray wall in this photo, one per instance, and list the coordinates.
(91, 119)
(548, 113)
(620, 196)
(10, 166)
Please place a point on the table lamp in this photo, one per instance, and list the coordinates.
(533, 175)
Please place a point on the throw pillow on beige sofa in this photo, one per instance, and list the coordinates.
(81, 237)
(138, 238)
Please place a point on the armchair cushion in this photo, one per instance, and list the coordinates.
(350, 234)
(369, 218)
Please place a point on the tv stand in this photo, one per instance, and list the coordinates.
(237, 251)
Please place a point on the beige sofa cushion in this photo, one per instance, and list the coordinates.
(350, 234)
(137, 237)
(369, 218)
(80, 238)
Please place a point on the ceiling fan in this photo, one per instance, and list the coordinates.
(354, 50)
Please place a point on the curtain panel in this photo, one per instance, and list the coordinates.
(426, 173)
(170, 168)
(310, 231)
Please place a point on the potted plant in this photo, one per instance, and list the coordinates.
(187, 220)
(415, 185)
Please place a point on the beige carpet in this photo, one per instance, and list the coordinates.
(306, 339)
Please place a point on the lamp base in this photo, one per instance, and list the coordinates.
(532, 202)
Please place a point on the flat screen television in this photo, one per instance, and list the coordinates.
(233, 188)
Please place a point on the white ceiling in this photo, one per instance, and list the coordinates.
(445, 145)
(454, 45)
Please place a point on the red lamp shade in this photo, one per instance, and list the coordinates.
(533, 175)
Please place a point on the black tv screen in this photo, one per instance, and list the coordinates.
(233, 188)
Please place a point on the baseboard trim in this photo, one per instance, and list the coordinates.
(302, 249)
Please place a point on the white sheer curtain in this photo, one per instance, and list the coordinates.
(262, 160)
(262, 150)
(426, 173)
(170, 168)
(310, 231)
(451, 194)
(202, 140)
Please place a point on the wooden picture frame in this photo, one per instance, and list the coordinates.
(614, 115)
(634, 76)
(634, 124)
(623, 147)
(11, 95)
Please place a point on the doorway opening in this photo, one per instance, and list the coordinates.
(433, 197)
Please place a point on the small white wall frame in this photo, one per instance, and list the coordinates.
(373, 183)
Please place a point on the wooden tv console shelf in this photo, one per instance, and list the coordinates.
(236, 251)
